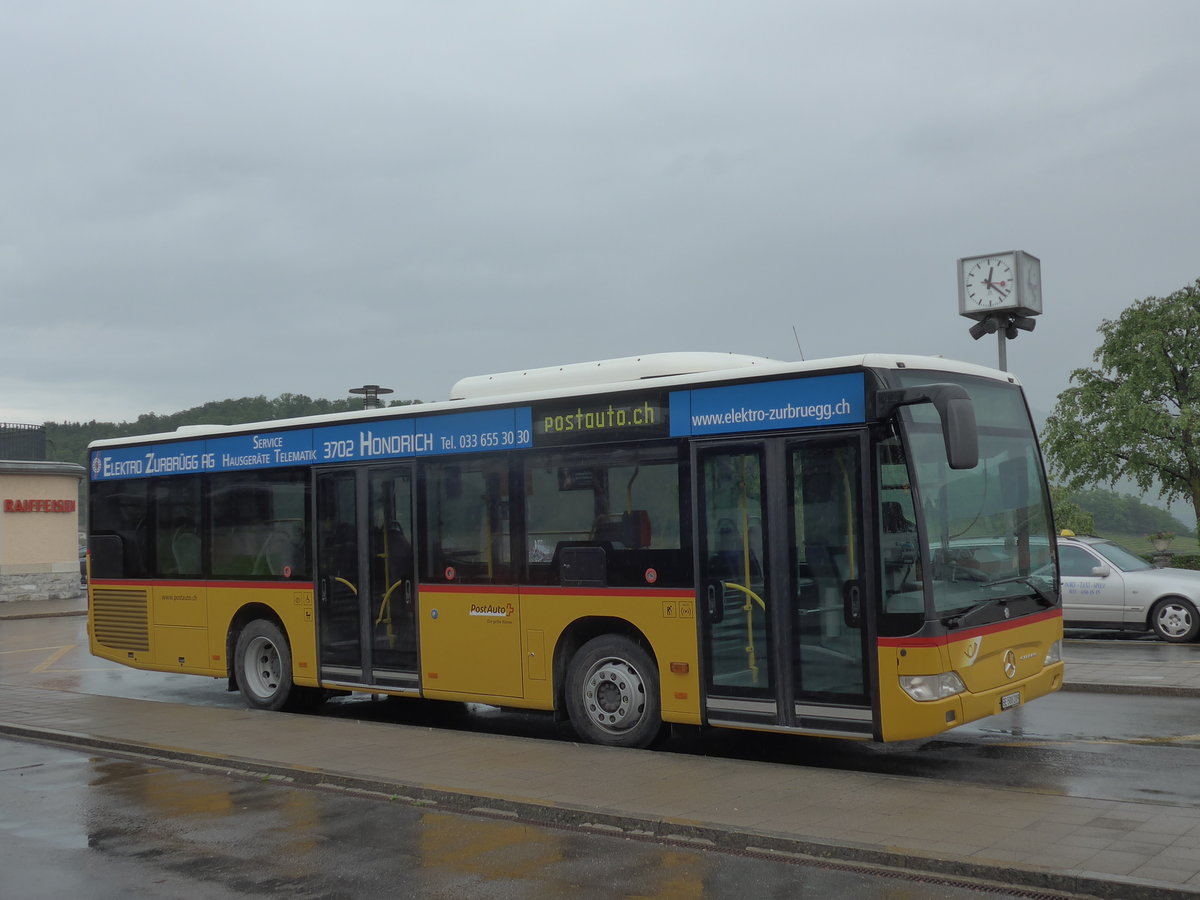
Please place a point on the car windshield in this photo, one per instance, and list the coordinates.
(987, 533)
(1125, 560)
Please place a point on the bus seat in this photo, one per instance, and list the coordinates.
(277, 553)
(627, 530)
(894, 521)
(185, 548)
(637, 528)
(582, 563)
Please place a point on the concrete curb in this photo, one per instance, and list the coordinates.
(665, 830)
(42, 615)
(1164, 690)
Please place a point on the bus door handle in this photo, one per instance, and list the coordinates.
(852, 604)
(714, 601)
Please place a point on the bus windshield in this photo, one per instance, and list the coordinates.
(979, 541)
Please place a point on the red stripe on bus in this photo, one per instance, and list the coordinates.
(544, 591)
(270, 585)
(995, 628)
(540, 591)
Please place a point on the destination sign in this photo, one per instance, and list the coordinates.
(601, 419)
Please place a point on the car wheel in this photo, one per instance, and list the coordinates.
(1174, 619)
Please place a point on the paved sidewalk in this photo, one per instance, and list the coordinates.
(1125, 667)
(1013, 836)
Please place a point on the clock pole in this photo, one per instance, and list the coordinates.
(1002, 292)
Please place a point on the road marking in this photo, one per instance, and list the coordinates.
(34, 649)
(1051, 742)
(47, 663)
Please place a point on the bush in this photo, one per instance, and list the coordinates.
(1178, 560)
(1185, 561)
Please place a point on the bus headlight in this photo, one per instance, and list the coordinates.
(1054, 654)
(932, 687)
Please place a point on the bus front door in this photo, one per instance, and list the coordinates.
(780, 587)
(366, 589)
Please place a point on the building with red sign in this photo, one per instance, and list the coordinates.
(39, 530)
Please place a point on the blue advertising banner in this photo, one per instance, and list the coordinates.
(260, 451)
(489, 429)
(762, 406)
(769, 405)
(143, 462)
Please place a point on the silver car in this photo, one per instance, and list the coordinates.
(1106, 586)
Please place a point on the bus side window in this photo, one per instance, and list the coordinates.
(616, 508)
(260, 524)
(467, 530)
(120, 541)
(177, 525)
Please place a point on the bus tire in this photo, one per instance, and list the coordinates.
(613, 694)
(262, 665)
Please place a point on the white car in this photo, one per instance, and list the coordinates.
(1106, 586)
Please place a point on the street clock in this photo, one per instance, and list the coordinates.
(1009, 282)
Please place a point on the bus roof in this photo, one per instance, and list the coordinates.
(668, 370)
(603, 371)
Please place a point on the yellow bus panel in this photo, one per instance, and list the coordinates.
(1002, 666)
(471, 641)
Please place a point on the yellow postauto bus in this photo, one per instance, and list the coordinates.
(858, 548)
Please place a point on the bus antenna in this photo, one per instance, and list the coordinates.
(798, 347)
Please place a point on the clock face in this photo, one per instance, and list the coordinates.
(989, 282)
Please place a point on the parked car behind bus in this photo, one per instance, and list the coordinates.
(1109, 587)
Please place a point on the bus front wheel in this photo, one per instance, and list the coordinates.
(263, 665)
(612, 693)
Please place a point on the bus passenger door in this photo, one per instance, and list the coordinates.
(736, 587)
(781, 587)
(365, 577)
(828, 593)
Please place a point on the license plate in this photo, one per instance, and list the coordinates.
(1008, 701)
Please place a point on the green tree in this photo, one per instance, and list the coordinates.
(1136, 413)
(1069, 515)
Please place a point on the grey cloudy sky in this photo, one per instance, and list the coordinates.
(201, 200)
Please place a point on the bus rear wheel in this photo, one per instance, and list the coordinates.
(613, 694)
(262, 665)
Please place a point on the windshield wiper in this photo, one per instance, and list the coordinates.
(1045, 596)
(958, 619)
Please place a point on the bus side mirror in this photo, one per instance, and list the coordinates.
(954, 409)
(959, 430)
